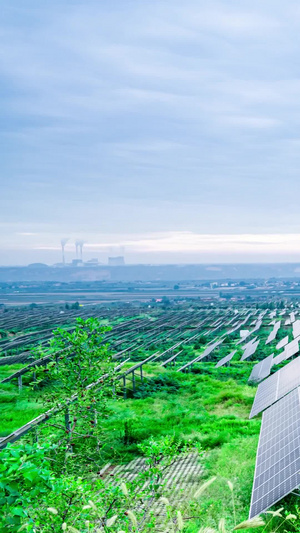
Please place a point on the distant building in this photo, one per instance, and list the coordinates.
(116, 261)
(77, 262)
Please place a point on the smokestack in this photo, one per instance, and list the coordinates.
(63, 243)
(77, 246)
(80, 244)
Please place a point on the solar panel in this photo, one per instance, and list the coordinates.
(292, 317)
(273, 333)
(282, 343)
(276, 386)
(290, 349)
(225, 359)
(262, 369)
(250, 350)
(206, 352)
(277, 470)
(296, 329)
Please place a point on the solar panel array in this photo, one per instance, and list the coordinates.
(225, 359)
(262, 369)
(276, 386)
(277, 471)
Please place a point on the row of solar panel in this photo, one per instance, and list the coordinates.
(277, 470)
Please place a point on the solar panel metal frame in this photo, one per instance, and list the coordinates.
(277, 469)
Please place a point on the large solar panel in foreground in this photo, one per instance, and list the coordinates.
(276, 386)
(262, 369)
(277, 470)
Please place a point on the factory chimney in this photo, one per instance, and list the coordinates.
(77, 247)
(63, 243)
(80, 244)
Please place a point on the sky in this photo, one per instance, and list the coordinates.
(164, 130)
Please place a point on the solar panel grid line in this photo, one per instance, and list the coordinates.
(285, 444)
(273, 433)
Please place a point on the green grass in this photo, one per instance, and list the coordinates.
(16, 409)
(7, 370)
(202, 409)
(234, 461)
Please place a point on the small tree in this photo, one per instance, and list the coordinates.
(81, 380)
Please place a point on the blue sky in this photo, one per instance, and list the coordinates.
(167, 130)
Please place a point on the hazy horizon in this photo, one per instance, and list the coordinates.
(164, 132)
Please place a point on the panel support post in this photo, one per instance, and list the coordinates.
(20, 382)
(124, 387)
(133, 382)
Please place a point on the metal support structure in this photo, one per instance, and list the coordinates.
(20, 385)
(133, 382)
(141, 370)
